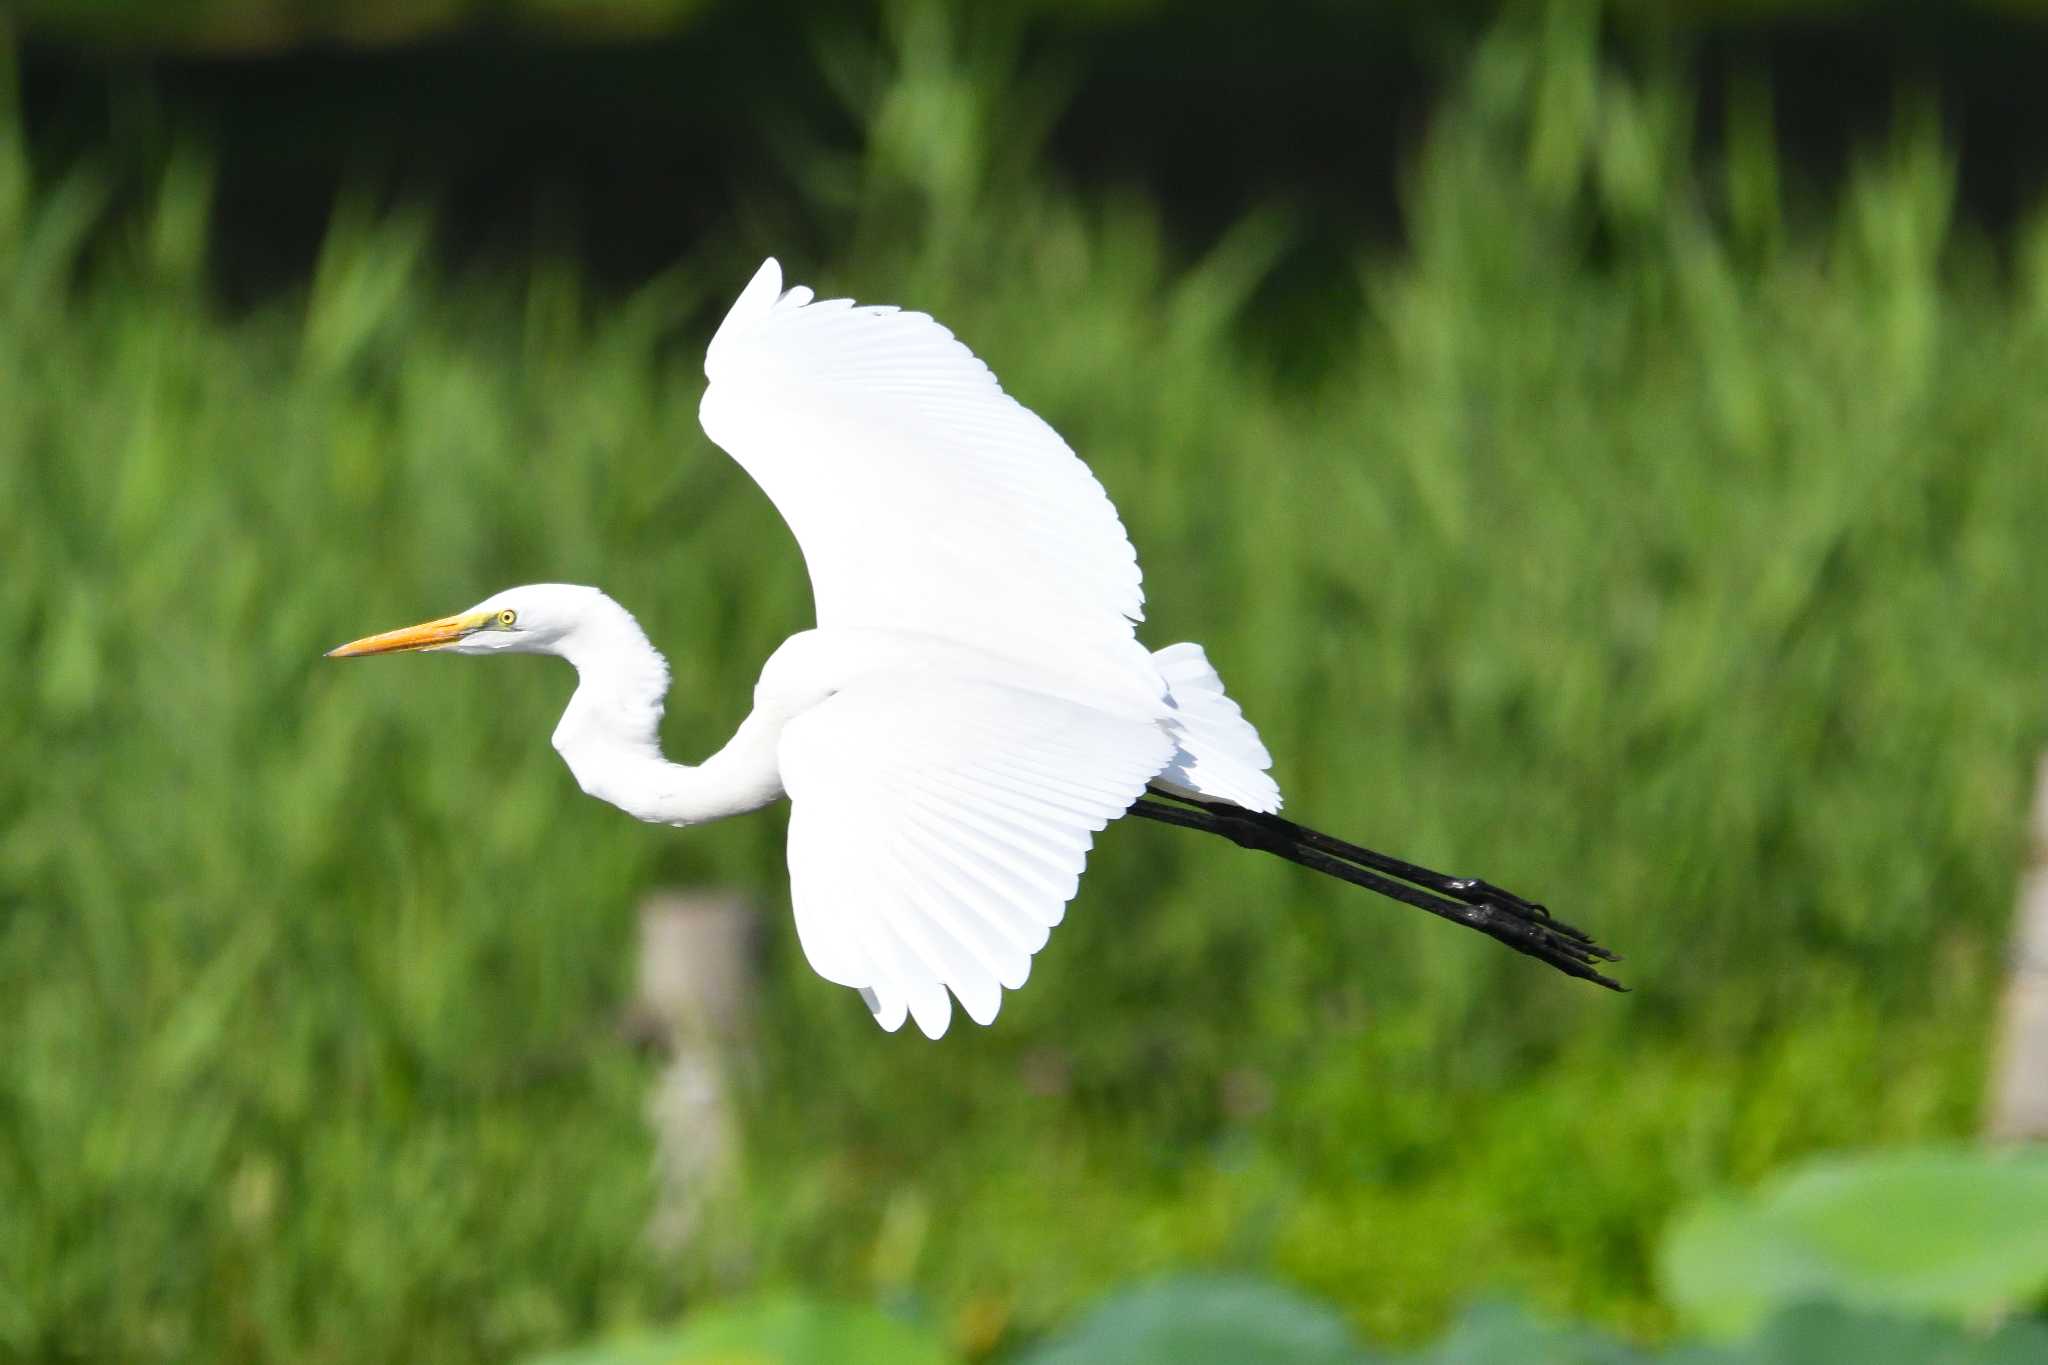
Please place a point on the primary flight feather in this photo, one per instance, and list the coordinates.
(973, 704)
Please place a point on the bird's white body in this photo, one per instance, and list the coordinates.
(974, 703)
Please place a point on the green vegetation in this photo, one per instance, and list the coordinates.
(1919, 1240)
(1960, 1233)
(1224, 1321)
(1650, 534)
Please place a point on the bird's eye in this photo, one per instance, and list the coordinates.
(507, 617)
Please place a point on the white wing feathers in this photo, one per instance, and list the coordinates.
(924, 498)
(937, 830)
(940, 815)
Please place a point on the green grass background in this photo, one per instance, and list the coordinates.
(1650, 533)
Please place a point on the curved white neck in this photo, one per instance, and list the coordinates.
(610, 735)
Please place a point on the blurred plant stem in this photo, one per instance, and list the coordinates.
(14, 170)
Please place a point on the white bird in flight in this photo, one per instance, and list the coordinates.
(973, 705)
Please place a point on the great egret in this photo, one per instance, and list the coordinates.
(973, 704)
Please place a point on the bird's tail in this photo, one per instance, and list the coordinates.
(1218, 755)
(1523, 925)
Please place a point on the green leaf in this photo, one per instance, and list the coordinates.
(1830, 1332)
(1960, 1233)
(1809, 1334)
(1204, 1320)
(1494, 1332)
(779, 1330)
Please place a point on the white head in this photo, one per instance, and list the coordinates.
(540, 618)
(610, 735)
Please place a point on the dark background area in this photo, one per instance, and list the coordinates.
(626, 152)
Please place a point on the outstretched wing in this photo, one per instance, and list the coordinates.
(938, 828)
(924, 497)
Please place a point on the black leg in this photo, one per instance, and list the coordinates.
(1522, 925)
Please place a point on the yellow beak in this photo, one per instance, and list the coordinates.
(425, 635)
